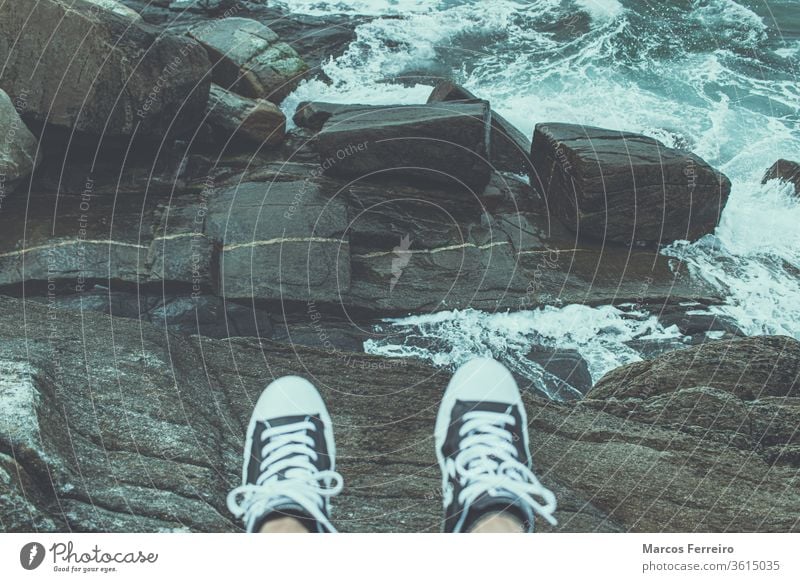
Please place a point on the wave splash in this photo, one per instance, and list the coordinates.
(713, 76)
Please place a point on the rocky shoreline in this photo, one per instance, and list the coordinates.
(116, 429)
(158, 183)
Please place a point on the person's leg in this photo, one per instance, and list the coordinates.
(283, 525)
(499, 522)
(483, 451)
(289, 470)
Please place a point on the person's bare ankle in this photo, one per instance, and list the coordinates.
(500, 522)
(283, 525)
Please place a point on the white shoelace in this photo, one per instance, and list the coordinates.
(488, 461)
(289, 449)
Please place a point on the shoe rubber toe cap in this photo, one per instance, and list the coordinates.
(483, 380)
(289, 396)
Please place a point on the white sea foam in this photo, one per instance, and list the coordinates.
(733, 20)
(363, 7)
(712, 95)
(448, 339)
(601, 9)
(754, 260)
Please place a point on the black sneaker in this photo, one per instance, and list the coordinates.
(289, 459)
(482, 447)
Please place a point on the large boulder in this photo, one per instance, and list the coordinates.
(18, 147)
(281, 241)
(71, 459)
(258, 121)
(127, 239)
(786, 171)
(251, 229)
(249, 59)
(98, 71)
(314, 115)
(621, 187)
(421, 250)
(510, 148)
(446, 143)
(565, 371)
(749, 368)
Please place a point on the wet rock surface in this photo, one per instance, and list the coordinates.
(124, 429)
(440, 143)
(749, 368)
(272, 231)
(623, 187)
(314, 114)
(259, 122)
(98, 72)
(786, 171)
(249, 59)
(316, 38)
(510, 149)
(566, 372)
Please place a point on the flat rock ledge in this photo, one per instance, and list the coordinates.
(130, 429)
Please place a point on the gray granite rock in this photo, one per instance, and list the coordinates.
(126, 429)
(623, 187)
(249, 59)
(445, 143)
(98, 71)
(256, 121)
(510, 148)
(784, 170)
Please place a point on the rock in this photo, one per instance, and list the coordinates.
(249, 59)
(200, 314)
(615, 465)
(652, 348)
(19, 150)
(257, 121)
(441, 144)
(99, 72)
(317, 38)
(217, 225)
(621, 187)
(421, 250)
(90, 241)
(564, 367)
(508, 194)
(749, 368)
(283, 241)
(449, 91)
(321, 331)
(314, 114)
(204, 6)
(695, 322)
(785, 170)
(117, 8)
(510, 148)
